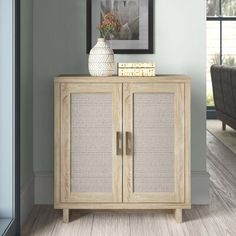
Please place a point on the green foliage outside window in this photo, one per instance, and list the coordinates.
(228, 7)
(226, 60)
(230, 61)
(210, 101)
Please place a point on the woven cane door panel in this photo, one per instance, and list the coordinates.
(91, 142)
(154, 142)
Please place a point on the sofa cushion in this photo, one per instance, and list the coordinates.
(217, 88)
(224, 89)
(226, 82)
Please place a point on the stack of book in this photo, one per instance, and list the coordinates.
(136, 69)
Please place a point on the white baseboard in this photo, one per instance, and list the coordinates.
(27, 199)
(200, 187)
(44, 187)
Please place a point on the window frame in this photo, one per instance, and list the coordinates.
(211, 111)
(14, 226)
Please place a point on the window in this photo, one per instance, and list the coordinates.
(9, 117)
(221, 37)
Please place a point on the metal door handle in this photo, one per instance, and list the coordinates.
(128, 145)
(118, 143)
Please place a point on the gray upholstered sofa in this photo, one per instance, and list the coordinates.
(224, 92)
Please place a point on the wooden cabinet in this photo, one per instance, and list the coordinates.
(122, 143)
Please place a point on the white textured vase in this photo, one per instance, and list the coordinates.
(101, 59)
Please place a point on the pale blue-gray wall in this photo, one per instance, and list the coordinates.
(60, 47)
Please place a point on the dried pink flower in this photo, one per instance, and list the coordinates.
(109, 25)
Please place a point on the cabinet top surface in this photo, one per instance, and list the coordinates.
(119, 79)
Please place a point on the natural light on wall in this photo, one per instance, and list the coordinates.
(221, 37)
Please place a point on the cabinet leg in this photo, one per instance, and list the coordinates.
(178, 215)
(66, 215)
(223, 126)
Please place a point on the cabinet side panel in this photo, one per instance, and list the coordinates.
(154, 142)
(57, 142)
(91, 142)
(188, 143)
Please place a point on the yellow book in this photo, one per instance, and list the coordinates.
(136, 65)
(136, 71)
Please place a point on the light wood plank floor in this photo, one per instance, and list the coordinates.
(217, 219)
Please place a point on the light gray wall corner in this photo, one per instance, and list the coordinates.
(27, 174)
(200, 187)
(26, 91)
(44, 187)
(27, 199)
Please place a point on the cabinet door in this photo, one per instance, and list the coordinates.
(91, 142)
(154, 157)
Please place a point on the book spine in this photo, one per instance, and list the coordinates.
(136, 65)
(136, 71)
